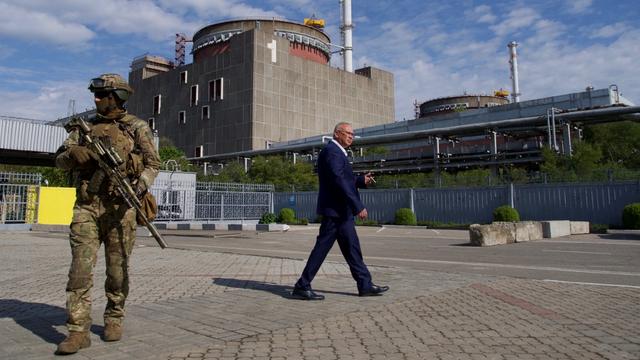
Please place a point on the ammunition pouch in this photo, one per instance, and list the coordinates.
(149, 208)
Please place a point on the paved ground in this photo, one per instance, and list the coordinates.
(200, 303)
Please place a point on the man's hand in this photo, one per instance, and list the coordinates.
(368, 178)
(363, 214)
(80, 154)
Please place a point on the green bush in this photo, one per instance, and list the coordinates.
(268, 218)
(405, 216)
(505, 213)
(287, 216)
(303, 221)
(631, 216)
(598, 228)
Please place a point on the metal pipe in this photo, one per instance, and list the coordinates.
(515, 94)
(549, 127)
(553, 129)
(567, 148)
(584, 116)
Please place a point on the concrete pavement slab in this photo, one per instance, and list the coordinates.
(187, 304)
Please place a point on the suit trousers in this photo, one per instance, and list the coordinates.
(343, 230)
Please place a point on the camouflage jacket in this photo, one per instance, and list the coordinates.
(130, 136)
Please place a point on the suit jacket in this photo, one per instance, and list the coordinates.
(338, 195)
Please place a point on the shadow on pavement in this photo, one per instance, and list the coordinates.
(621, 236)
(38, 318)
(276, 289)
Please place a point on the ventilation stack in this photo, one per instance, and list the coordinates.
(347, 35)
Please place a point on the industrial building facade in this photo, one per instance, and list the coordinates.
(253, 83)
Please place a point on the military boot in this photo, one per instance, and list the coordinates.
(75, 341)
(112, 331)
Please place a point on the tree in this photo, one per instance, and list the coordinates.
(585, 160)
(619, 142)
(283, 174)
(232, 172)
(168, 151)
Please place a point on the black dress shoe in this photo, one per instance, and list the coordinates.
(306, 294)
(374, 290)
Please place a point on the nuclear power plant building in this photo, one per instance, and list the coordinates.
(253, 83)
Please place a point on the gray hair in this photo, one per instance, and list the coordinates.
(339, 126)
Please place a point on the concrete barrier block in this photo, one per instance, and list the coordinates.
(579, 227)
(497, 233)
(209, 226)
(528, 230)
(272, 227)
(556, 228)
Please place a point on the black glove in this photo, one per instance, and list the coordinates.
(80, 154)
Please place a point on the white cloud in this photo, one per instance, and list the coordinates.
(579, 6)
(545, 31)
(557, 69)
(27, 24)
(481, 14)
(220, 9)
(49, 102)
(611, 30)
(516, 19)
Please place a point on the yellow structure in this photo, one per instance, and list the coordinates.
(317, 23)
(501, 93)
(56, 205)
(32, 205)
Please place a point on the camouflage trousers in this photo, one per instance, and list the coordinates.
(93, 223)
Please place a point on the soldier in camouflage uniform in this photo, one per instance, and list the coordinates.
(100, 215)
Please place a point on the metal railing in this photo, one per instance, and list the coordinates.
(18, 203)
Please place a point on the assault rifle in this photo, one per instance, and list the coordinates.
(109, 161)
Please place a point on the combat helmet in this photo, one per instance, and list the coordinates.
(111, 82)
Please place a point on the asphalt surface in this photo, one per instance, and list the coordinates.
(226, 295)
(610, 259)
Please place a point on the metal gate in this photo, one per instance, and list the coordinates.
(19, 198)
(231, 201)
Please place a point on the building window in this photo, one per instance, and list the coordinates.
(152, 123)
(183, 77)
(194, 95)
(205, 112)
(182, 117)
(216, 89)
(157, 104)
(199, 151)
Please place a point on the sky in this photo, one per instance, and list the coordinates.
(50, 49)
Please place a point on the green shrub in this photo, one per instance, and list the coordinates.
(287, 216)
(505, 213)
(268, 218)
(405, 216)
(598, 228)
(631, 216)
(303, 221)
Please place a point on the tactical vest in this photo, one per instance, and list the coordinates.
(119, 136)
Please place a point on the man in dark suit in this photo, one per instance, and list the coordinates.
(338, 203)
